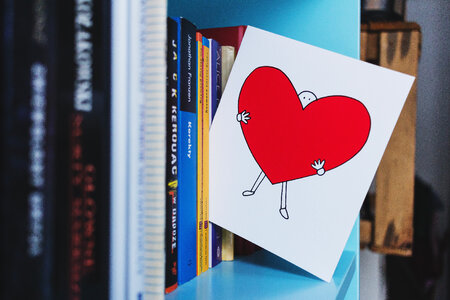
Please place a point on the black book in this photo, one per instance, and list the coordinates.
(83, 148)
(26, 188)
(171, 156)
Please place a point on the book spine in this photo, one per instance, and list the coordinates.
(215, 241)
(146, 149)
(230, 36)
(171, 155)
(187, 152)
(200, 95)
(217, 87)
(25, 184)
(120, 202)
(205, 156)
(228, 56)
(227, 245)
(210, 95)
(212, 79)
(84, 141)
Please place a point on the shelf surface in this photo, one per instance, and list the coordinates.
(265, 276)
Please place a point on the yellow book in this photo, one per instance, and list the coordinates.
(205, 156)
(200, 217)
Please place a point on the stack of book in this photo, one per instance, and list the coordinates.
(199, 63)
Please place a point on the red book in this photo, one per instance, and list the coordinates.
(232, 36)
(227, 36)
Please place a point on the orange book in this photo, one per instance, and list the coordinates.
(205, 154)
(200, 216)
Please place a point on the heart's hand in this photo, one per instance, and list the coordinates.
(318, 165)
(243, 117)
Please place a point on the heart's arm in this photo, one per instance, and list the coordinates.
(243, 117)
(318, 165)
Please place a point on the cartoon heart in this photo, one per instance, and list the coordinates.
(285, 138)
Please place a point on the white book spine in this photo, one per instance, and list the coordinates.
(119, 172)
(138, 124)
(147, 145)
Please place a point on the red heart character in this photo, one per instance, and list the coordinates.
(286, 138)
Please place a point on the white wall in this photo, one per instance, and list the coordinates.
(372, 279)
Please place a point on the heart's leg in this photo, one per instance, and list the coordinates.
(283, 209)
(255, 186)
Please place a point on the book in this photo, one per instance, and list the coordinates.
(228, 56)
(218, 74)
(187, 151)
(200, 99)
(138, 150)
(215, 62)
(172, 94)
(83, 149)
(232, 36)
(27, 156)
(205, 154)
(227, 36)
(120, 201)
(215, 92)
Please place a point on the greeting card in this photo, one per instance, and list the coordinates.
(295, 144)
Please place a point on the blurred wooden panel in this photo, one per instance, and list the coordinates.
(394, 198)
(365, 236)
(369, 46)
(390, 26)
(363, 43)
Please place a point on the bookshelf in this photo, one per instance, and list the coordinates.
(330, 24)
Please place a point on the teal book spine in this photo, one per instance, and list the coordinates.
(187, 151)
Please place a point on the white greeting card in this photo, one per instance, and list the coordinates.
(295, 144)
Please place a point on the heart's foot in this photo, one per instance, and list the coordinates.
(247, 193)
(284, 213)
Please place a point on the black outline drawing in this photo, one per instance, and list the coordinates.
(318, 165)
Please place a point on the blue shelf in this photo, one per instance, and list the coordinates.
(266, 276)
(329, 24)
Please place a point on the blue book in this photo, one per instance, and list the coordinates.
(215, 65)
(216, 75)
(187, 153)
